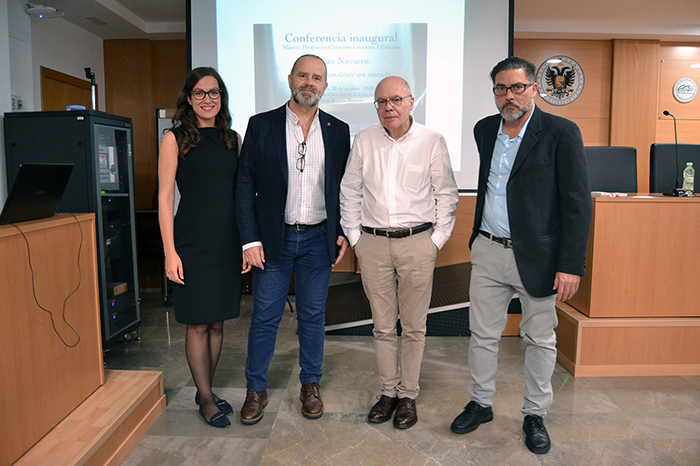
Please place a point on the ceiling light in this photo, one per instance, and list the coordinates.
(43, 12)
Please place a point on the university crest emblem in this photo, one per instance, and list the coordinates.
(560, 80)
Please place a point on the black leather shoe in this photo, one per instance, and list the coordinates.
(383, 409)
(536, 436)
(406, 415)
(473, 415)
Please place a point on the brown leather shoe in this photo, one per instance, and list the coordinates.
(406, 415)
(253, 406)
(383, 409)
(311, 403)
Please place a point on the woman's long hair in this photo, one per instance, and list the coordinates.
(185, 120)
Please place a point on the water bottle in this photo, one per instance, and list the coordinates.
(689, 179)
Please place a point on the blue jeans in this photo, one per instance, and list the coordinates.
(304, 253)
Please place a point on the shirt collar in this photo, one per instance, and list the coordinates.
(521, 134)
(410, 130)
(293, 116)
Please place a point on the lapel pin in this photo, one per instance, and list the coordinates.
(329, 123)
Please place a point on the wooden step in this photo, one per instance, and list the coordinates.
(627, 346)
(106, 426)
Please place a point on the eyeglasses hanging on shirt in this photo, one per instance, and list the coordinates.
(301, 160)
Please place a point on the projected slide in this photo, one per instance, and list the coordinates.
(443, 48)
(357, 60)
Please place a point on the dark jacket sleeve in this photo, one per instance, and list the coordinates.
(246, 190)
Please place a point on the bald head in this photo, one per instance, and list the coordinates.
(307, 57)
(393, 100)
(392, 81)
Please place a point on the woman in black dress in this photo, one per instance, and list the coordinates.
(200, 153)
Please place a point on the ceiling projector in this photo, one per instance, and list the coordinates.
(43, 12)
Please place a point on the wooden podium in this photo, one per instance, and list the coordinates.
(43, 378)
(57, 404)
(636, 312)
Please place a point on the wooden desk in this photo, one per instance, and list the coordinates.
(42, 379)
(641, 261)
(636, 312)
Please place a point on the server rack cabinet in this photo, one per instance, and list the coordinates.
(100, 147)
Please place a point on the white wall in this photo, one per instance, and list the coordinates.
(26, 44)
(64, 47)
(204, 38)
(20, 54)
(5, 92)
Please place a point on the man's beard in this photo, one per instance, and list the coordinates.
(304, 100)
(511, 114)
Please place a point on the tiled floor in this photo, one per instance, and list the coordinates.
(593, 421)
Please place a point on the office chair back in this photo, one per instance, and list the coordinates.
(662, 158)
(612, 169)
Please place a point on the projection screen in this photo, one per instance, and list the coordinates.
(443, 48)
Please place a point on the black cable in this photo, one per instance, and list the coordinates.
(80, 279)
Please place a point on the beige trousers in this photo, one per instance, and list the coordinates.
(397, 276)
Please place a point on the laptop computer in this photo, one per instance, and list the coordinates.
(36, 192)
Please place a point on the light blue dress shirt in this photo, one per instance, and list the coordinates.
(495, 216)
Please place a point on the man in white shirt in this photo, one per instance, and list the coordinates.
(397, 200)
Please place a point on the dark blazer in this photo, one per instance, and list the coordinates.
(261, 186)
(549, 200)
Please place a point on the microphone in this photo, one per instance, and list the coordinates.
(91, 76)
(677, 191)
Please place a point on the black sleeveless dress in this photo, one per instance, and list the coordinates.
(206, 235)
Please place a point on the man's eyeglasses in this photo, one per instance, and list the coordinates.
(517, 88)
(395, 102)
(301, 150)
(199, 94)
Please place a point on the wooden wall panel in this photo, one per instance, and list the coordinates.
(591, 111)
(140, 76)
(128, 93)
(635, 90)
(456, 250)
(675, 64)
(688, 131)
(169, 71)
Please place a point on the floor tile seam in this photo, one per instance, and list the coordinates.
(607, 446)
(636, 431)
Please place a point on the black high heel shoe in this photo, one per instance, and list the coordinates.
(217, 420)
(223, 405)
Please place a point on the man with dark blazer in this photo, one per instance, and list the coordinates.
(287, 207)
(533, 215)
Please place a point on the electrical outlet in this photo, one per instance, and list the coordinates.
(16, 103)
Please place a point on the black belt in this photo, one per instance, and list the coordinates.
(506, 242)
(397, 233)
(302, 227)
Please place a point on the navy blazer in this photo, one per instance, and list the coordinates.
(261, 185)
(549, 199)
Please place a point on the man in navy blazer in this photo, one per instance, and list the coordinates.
(531, 226)
(287, 207)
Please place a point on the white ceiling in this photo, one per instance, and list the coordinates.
(125, 19)
(668, 20)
